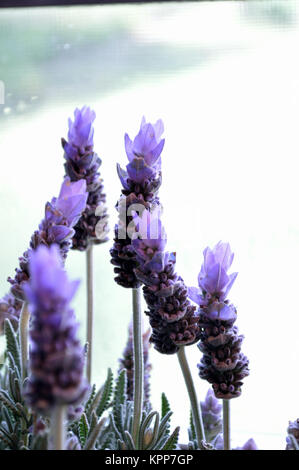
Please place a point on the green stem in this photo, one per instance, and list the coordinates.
(58, 431)
(89, 275)
(23, 334)
(196, 411)
(138, 364)
(226, 424)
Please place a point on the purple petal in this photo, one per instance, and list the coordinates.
(145, 140)
(195, 294)
(159, 129)
(215, 280)
(123, 176)
(128, 147)
(60, 233)
(138, 171)
(72, 207)
(153, 156)
(232, 278)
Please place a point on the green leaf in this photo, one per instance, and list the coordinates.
(120, 395)
(105, 394)
(12, 344)
(88, 404)
(83, 429)
(165, 407)
(94, 434)
(5, 398)
(129, 441)
(172, 441)
(165, 424)
(120, 398)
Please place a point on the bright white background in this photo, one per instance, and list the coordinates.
(230, 103)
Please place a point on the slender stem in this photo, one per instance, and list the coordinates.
(226, 424)
(138, 364)
(58, 431)
(89, 273)
(23, 333)
(196, 411)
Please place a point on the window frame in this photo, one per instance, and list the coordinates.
(48, 3)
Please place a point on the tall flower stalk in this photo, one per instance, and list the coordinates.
(61, 214)
(172, 318)
(56, 356)
(138, 365)
(140, 181)
(82, 163)
(223, 364)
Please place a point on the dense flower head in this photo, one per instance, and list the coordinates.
(81, 130)
(61, 214)
(213, 279)
(140, 183)
(151, 241)
(171, 316)
(144, 151)
(211, 410)
(82, 164)
(293, 430)
(249, 445)
(56, 356)
(223, 364)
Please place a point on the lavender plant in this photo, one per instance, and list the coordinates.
(293, 435)
(61, 215)
(223, 364)
(172, 318)
(211, 410)
(140, 182)
(49, 404)
(249, 445)
(56, 357)
(82, 164)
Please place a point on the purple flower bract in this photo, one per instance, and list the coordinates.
(56, 357)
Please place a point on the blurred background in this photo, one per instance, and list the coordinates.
(224, 77)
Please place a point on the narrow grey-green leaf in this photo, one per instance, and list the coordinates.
(106, 394)
(172, 441)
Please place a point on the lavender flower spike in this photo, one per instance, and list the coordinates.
(140, 181)
(82, 164)
(56, 358)
(293, 430)
(223, 364)
(249, 445)
(171, 316)
(61, 214)
(211, 410)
